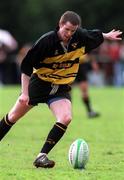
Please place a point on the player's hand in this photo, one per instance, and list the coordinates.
(24, 99)
(113, 35)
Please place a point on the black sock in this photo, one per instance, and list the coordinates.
(5, 126)
(86, 101)
(54, 136)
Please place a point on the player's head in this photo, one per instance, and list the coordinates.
(68, 24)
(72, 17)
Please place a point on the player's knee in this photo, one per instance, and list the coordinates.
(66, 119)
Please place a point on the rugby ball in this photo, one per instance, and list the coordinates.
(78, 154)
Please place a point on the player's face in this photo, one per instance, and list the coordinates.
(66, 31)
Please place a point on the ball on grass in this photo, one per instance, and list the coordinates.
(78, 154)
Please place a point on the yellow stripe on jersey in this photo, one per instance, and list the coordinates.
(61, 69)
(67, 56)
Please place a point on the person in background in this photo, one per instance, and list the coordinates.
(121, 72)
(105, 63)
(114, 54)
(87, 64)
(8, 44)
(19, 58)
(48, 69)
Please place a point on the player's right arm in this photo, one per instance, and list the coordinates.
(30, 61)
(24, 97)
(26, 71)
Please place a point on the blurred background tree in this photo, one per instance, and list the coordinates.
(27, 20)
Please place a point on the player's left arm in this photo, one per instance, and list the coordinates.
(113, 35)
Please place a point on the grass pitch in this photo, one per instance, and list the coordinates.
(104, 135)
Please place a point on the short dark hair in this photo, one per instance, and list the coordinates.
(72, 17)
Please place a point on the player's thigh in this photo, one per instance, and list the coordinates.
(62, 109)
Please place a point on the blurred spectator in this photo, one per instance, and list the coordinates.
(7, 45)
(115, 59)
(20, 55)
(105, 63)
(96, 76)
(121, 62)
(104, 52)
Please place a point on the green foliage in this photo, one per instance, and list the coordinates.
(104, 136)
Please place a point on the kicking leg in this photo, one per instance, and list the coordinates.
(18, 110)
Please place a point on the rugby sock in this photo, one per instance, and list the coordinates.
(5, 126)
(86, 101)
(54, 136)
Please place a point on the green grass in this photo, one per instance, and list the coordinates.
(104, 135)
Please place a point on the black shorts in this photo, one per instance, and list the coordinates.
(45, 92)
(84, 68)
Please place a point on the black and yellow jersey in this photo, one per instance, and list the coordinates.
(52, 62)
